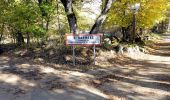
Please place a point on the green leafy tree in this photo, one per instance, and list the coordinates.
(150, 13)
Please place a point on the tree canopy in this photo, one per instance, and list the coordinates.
(31, 19)
(150, 13)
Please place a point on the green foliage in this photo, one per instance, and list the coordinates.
(48, 8)
(25, 16)
(150, 13)
(28, 17)
(38, 32)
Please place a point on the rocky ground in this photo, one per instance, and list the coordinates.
(136, 76)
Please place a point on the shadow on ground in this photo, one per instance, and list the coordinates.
(124, 78)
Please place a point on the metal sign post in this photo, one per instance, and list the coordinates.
(94, 50)
(74, 60)
(83, 40)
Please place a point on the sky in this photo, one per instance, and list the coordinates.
(93, 7)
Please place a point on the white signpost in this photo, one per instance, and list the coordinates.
(84, 40)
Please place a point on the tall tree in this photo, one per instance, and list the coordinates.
(102, 17)
(47, 9)
(68, 6)
(150, 13)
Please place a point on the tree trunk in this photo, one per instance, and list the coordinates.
(28, 39)
(102, 17)
(141, 31)
(47, 24)
(125, 30)
(2, 32)
(1, 37)
(20, 38)
(124, 34)
(70, 15)
(168, 29)
(133, 35)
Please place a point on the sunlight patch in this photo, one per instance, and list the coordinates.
(92, 90)
(12, 79)
(47, 70)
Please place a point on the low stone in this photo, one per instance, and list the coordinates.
(108, 41)
(39, 60)
(68, 58)
(51, 52)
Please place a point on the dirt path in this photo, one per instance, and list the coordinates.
(134, 77)
(146, 76)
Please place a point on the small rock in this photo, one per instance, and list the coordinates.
(68, 58)
(51, 52)
(108, 41)
(39, 60)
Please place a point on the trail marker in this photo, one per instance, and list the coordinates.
(83, 40)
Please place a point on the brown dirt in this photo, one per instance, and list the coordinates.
(128, 77)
